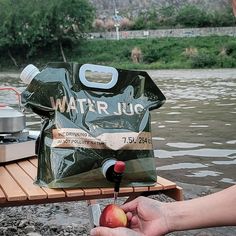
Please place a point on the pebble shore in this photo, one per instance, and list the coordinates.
(71, 219)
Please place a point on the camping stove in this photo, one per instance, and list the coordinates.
(15, 141)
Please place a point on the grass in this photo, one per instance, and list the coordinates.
(159, 53)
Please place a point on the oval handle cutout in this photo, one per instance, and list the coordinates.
(107, 71)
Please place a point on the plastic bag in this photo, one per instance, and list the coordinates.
(86, 123)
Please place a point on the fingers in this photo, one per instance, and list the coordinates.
(129, 215)
(134, 221)
(131, 206)
(104, 231)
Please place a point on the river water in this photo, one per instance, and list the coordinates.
(194, 133)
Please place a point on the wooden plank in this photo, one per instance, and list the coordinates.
(140, 189)
(2, 196)
(126, 190)
(156, 187)
(74, 192)
(34, 161)
(31, 170)
(167, 184)
(54, 193)
(107, 190)
(33, 192)
(10, 188)
(92, 191)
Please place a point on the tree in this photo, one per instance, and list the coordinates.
(30, 25)
(68, 21)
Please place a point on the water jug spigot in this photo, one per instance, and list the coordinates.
(119, 169)
(113, 171)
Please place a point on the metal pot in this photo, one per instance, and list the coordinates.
(11, 120)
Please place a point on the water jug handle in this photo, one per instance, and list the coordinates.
(100, 69)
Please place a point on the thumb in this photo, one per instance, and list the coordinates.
(102, 231)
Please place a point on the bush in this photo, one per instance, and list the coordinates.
(167, 16)
(226, 62)
(222, 18)
(191, 16)
(146, 20)
(231, 49)
(186, 16)
(203, 60)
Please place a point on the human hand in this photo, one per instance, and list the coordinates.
(149, 217)
(146, 217)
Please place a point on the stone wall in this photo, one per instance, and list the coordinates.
(186, 32)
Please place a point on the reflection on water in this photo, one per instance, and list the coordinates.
(202, 152)
(181, 165)
(228, 180)
(205, 173)
(193, 133)
(185, 145)
(231, 142)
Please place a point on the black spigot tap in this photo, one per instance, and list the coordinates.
(119, 169)
(113, 171)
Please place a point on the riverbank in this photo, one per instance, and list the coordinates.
(151, 53)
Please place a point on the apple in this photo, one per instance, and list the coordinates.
(113, 216)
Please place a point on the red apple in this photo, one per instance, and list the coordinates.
(113, 216)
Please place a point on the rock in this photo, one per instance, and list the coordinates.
(22, 223)
(12, 229)
(34, 234)
(30, 228)
(69, 228)
(3, 230)
(75, 226)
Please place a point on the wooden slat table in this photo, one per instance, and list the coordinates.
(17, 188)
